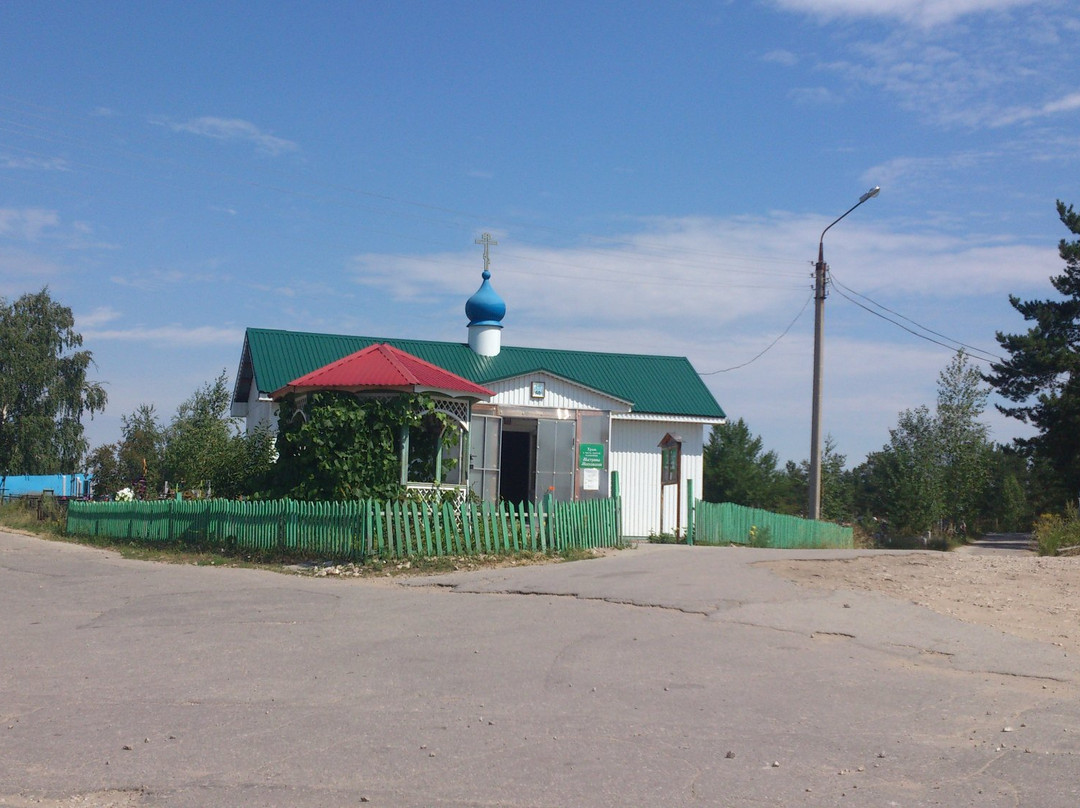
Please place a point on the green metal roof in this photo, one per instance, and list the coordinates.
(666, 385)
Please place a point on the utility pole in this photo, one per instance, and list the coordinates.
(821, 282)
(821, 270)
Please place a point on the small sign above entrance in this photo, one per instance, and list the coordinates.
(590, 455)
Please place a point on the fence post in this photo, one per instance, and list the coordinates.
(616, 495)
(690, 513)
(547, 501)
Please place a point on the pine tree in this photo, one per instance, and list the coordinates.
(739, 470)
(1042, 373)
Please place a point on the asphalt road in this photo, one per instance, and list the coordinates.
(1001, 544)
(662, 675)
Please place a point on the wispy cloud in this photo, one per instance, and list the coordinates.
(781, 57)
(1054, 146)
(232, 129)
(45, 228)
(909, 267)
(27, 224)
(157, 279)
(724, 272)
(33, 163)
(169, 335)
(973, 64)
(299, 287)
(918, 12)
(97, 317)
(1067, 103)
(23, 266)
(814, 96)
(906, 172)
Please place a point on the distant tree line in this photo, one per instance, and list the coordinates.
(939, 472)
(201, 451)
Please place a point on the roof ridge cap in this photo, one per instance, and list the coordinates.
(391, 354)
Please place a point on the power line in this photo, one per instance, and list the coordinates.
(956, 344)
(769, 346)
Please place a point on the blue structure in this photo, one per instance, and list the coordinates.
(485, 310)
(73, 486)
(485, 307)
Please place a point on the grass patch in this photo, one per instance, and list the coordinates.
(17, 515)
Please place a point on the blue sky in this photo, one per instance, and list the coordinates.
(657, 176)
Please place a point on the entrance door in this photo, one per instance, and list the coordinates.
(555, 458)
(516, 473)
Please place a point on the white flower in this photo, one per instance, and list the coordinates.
(124, 495)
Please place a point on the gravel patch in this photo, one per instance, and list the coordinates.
(1028, 596)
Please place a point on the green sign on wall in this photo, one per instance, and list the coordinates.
(590, 456)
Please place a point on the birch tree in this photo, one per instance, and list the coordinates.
(44, 392)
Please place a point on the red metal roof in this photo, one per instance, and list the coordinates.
(382, 366)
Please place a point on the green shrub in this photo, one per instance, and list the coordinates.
(1054, 531)
(759, 537)
(665, 538)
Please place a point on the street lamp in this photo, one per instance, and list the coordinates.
(821, 270)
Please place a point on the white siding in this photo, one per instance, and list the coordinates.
(260, 411)
(558, 394)
(635, 454)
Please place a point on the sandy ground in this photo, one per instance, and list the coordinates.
(1025, 595)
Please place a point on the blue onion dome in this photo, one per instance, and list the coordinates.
(485, 307)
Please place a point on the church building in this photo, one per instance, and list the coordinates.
(533, 421)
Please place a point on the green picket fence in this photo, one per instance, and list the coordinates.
(727, 523)
(356, 529)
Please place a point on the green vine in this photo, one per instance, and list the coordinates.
(338, 447)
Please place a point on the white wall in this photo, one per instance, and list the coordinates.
(260, 411)
(635, 454)
(558, 393)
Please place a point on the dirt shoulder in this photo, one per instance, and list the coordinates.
(1028, 596)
